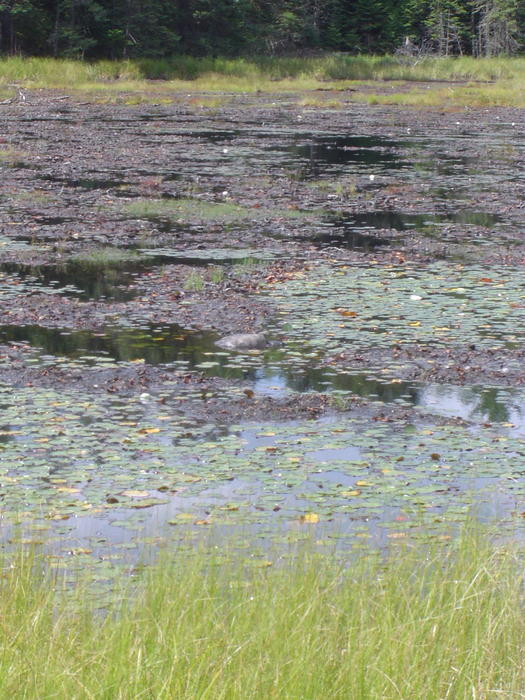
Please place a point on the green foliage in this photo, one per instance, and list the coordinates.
(216, 274)
(161, 28)
(104, 257)
(187, 210)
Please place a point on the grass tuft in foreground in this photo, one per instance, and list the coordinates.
(450, 624)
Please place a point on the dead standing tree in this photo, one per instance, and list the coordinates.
(497, 27)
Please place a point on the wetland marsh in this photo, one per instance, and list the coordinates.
(381, 250)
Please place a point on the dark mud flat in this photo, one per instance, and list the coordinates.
(380, 250)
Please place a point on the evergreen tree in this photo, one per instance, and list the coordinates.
(447, 24)
(157, 28)
(497, 29)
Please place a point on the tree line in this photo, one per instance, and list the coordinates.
(160, 28)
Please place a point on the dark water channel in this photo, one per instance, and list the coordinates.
(401, 221)
(331, 154)
(98, 283)
(366, 230)
(362, 230)
(87, 183)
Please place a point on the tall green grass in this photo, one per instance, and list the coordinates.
(254, 73)
(418, 625)
(479, 82)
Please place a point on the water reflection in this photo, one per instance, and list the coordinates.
(475, 403)
(361, 230)
(349, 237)
(153, 344)
(403, 221)
(300, 379)
(81, 281)
(272, 373)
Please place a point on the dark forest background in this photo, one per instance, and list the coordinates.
(94, 29)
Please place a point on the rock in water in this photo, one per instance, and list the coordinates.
(243, 341)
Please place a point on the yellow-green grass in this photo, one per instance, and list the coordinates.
(504, 93)
(9, 156)
(449, 624)
(105, 257)
(181, 210)
(132, 82)
(194, 282)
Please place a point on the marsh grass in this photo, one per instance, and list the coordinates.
(33, 196)
(505, 93)
(444, 624)
(217, 274)
(247, 265)
(12, 156)
(105, 257)
(181, 210)
(134, 82)
(130, 99)
(344, 188)
(320, 102)
(194, 282)
(327, 67)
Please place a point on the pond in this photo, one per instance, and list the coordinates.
(389, 402)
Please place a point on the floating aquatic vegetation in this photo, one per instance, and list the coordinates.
(331, 307)
(135, 466)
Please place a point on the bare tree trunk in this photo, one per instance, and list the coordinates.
(56, 29)
(497, 27)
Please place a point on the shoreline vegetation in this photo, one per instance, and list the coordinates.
(416, 623)
(455, 82)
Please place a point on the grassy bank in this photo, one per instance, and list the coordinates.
(327, 67)
(373, 79)
(256, 73)
(447, 625)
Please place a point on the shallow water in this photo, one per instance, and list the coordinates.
(275, 373)
(114, 473)
(154, 344)
(96, 283)
(339, 153)
(114, 483)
